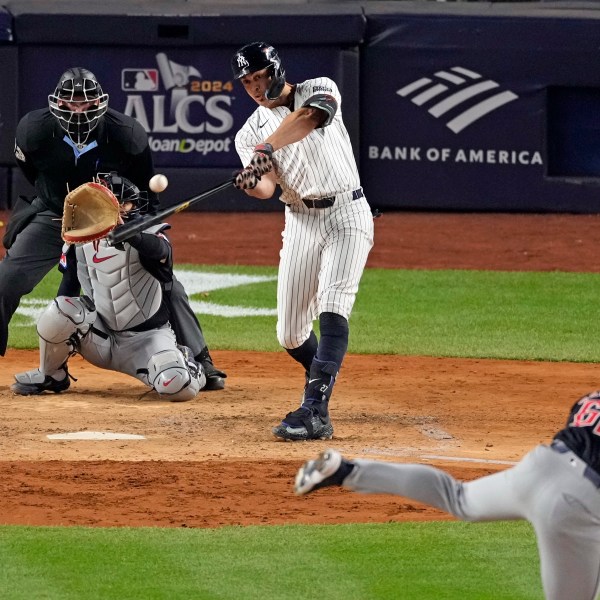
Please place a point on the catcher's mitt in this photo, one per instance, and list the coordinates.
(90, 212)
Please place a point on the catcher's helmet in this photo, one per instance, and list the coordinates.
(255, 57)
(125, 191)
(78, 102)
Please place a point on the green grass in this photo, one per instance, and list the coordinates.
(413, 561)
(478, 314)
(543, 316)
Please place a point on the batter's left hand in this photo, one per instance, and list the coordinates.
(262, 159)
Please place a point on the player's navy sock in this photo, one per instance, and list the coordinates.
(334, 338)
(305, 353)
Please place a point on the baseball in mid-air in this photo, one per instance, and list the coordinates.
(158, 183)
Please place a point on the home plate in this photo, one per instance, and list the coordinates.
(95, 435)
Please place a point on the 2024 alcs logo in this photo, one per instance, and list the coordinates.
(193, 106)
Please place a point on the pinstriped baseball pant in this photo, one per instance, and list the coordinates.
(321, 262)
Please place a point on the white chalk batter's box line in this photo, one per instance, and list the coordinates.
(410, 453)
(464, 459)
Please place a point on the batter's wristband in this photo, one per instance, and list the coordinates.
(264, 148)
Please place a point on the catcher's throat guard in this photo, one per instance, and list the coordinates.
(90, 212)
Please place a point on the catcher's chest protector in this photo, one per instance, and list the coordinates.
(124, 293)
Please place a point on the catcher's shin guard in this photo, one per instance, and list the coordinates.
(61, 327)
(175, 375)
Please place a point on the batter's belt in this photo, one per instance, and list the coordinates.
(330, 200)
(589, 473)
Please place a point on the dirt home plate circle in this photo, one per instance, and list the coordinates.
(158, 183)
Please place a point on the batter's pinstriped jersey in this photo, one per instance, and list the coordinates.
(325, 248)
(320, 165)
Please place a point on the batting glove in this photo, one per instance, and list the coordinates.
(262, 160)
(246, 179)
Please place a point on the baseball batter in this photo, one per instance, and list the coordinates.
(555, 487)
(121, 321)
(296, 139)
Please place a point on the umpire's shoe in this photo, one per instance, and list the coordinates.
(310, 422)
(329, 468)
(215, 378)
(32, 383)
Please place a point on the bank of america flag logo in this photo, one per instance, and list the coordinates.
(457, 94)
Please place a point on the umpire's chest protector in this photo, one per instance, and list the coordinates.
(124, 293)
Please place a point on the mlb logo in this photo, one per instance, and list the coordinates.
(139, 80)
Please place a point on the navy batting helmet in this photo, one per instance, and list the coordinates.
(78, 102)
(255, 57)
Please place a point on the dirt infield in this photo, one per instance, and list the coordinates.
(213, 461)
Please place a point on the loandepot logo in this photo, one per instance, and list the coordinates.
(194, 282)
(456, 89)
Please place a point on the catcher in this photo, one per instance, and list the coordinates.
(121, 322)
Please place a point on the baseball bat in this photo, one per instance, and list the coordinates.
(120, 234)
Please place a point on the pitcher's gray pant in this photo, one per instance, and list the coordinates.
(546, 488)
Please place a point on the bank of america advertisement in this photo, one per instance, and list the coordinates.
(473, 117)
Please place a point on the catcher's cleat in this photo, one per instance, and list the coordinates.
(329, 468)
(33, 383)
(310, 422)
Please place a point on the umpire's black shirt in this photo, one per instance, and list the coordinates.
(54, 166)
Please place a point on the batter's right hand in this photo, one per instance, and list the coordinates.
(262, 159)
(246, 179)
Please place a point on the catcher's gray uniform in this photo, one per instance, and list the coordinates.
(130, 332)
(556, 488)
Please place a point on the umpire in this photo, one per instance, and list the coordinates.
(59, 148)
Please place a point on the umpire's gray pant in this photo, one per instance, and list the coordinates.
(35, 252)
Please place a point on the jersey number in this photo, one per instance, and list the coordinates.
(588, 415)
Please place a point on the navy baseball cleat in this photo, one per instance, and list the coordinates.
(329, 468)
(310, 422)
(32, 383)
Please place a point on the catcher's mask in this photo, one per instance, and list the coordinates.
(126, 193)
(255, 57)
(78, 102)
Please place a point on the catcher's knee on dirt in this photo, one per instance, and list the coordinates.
(61, 327)
(175, 377)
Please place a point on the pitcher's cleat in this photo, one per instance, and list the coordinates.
(321, 472)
